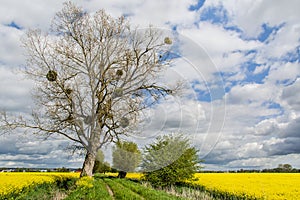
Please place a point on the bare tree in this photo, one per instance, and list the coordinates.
(93, 75)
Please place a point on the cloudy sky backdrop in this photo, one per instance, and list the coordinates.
(239, 60)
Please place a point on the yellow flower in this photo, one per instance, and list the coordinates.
(259, 185)
(16, 181)
(86, 182)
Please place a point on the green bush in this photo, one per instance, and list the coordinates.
(126, 157)
(170, 160)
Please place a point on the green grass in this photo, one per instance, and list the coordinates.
(98, 191)
(121, 192)
(147, 193)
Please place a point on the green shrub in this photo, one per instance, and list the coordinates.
(170, 160)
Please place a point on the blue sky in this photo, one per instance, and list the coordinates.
(240, 61)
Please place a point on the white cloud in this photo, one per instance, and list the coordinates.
(161, 12)
(266, 127)
(252, 92)
(260, 69)
(175, 115)
(39, 13)
(250, 15)
(14, 91)
(224, 47)
(25, 150)
(291, 95)
(286, 40)
(29, 13)
(11, 52)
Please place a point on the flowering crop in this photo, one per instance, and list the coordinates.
(85, 182)
(249, 185)
(255, 185)
(133, 175)
(14, 182)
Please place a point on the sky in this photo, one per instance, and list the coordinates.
(239, 60)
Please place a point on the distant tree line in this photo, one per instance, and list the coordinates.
(285, 168)
(26, 169)
(281, 168)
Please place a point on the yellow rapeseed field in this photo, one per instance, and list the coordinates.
(132, 175)
(260, 185)
(16, 181)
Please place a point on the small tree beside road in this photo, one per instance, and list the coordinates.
(126, 157)
(170, 160)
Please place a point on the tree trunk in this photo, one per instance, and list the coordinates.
(88, 165)
(122, 174)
